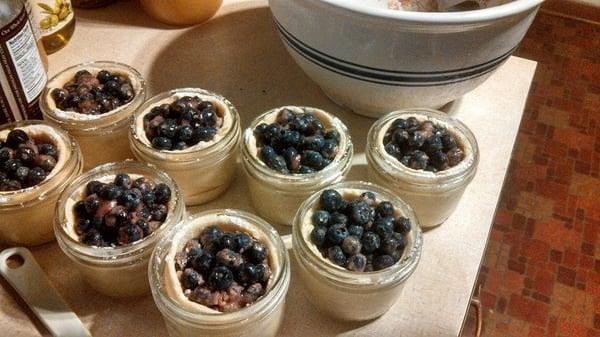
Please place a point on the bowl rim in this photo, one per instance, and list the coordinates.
(439, 18)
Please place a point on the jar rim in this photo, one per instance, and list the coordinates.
(91, 125)
(343, 158)
(264, 305)
(229, 138)
(107, 254)
(449, 178)
(390, 276)
(70, 164)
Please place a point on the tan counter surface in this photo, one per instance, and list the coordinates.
(239, 55)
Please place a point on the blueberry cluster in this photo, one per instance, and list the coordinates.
(185, 122)
(94, 95)
(223, 270)
(296, 143)
(122, 211)
(359, 234)
(422, 145)
(24, 162)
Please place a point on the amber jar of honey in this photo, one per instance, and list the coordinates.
(181, 12)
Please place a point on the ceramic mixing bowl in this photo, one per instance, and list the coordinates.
(374, 60)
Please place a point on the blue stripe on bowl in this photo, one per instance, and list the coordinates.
(388, 77)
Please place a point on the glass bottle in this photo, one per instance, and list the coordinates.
(56, 22)
(22, 73)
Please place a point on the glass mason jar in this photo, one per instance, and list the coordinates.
(433, 196)
(113, 271)
(203, 171)
(103, 138)
(26, 214)
(350, 295)
(277, 196)
(186, 318)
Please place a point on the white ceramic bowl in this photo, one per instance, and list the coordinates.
(374, 60)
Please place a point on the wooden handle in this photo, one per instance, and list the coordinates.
(30, 281)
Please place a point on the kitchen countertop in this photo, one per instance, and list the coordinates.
(239, 55)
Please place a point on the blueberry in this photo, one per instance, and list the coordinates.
(93, 238)
(300, 124)
(10, 166)
(227, 241)
(162, 143)
(356, 231)
(272, 131)
(25, 155)
(412, 123)
(370, 242)
(92, 203)
(185, 133)
(401, 137)
(312, 159)
(402, 225)
(290, 138)
(10, 185)
(48, 149)
(16, 137)
(356, 262)
(203, 262)
(45, 162)
(83, 225)
(439, 160)
(123, 180)
(79, 209)
(72, 101)
(278, 164)
(6, 154)
(194, 252)
(243, 242)
(162, 193)
(148, 198)
(385, 208)
(336, 234)
(400, 123)
(351, 245)
(145, 226)
(267, 153)
(126, 92)
(178, 146)
(264, 272)
(400, 239)
(22, 173)
(405, 160)
(305, 170)
(418, 160)
(331, 200)
(318, 235)
(257, 253)
(333, 135)
(260, 130)
(330, 149)
(221, 278)
(204, 134)
(208, 117)
(448, 141)
(292, 158)
(336, 255)
(338, 218)
(360, 212)
(130, 199)
(112, 87)
(321, 218)
(382, 262)
(59, 95)
(94, 187)
(110, 192)
(369, 197)
(190, 278)
(248, 274)
(209, 238)
(433, 144)
(389, 245)
(159, 213)
(285, 116)
(168, 129)
(384, 226)
(314, 143)
(130, 233)
(103, 76)
(36, 176)
(416, 140)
